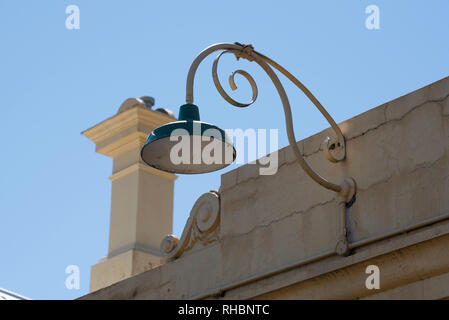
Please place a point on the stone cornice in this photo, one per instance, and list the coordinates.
(115, 125)
(135, 140)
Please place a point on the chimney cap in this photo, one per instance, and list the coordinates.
(149, 101)
(144, 102)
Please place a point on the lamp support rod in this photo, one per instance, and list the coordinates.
(334, 151)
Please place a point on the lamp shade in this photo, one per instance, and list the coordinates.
(188, 145)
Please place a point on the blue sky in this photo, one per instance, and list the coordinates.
(55, 83)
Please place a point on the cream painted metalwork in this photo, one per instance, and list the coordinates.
(335, 151)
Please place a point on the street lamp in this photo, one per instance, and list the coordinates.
(156, 151)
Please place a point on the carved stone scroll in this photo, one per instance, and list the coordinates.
(202, 226)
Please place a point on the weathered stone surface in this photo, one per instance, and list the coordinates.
(228, 180)
(445, 104)
(398, 108)
(363, 123)
(398, 268)
(439, 89)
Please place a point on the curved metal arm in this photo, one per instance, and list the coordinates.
(247, 52)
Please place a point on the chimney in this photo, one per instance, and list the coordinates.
(142, 197)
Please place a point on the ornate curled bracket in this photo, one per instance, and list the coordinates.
(335, 150)
(202, 226)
